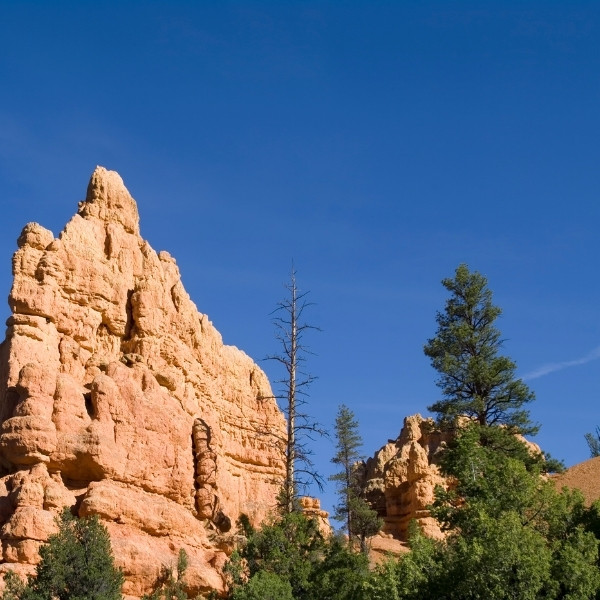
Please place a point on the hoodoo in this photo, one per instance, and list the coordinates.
(118, 398)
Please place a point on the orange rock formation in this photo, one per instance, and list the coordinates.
(120, 399)
(400, 479)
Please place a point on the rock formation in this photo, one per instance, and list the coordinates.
(400, 478)
(311, 507)
(118, 398)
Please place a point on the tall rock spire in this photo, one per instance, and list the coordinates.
(108, 199)
(118, 398)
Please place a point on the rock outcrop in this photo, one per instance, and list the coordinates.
(118, 398)
(311, 507)
(400, 478)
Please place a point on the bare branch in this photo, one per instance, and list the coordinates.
(290, 328)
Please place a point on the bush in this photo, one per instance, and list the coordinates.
(76, 564)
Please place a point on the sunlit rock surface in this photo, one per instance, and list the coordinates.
(117, 397)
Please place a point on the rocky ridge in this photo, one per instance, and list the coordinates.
(120, 399)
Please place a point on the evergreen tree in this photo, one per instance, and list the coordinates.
(360, 520)
(290, 548)
(593, 442)
(348, 443)
(365, 521)
(475, 379)
(76, 564)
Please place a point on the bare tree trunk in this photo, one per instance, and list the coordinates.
(291, 438)
(289, 332)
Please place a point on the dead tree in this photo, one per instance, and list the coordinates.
(290, 328)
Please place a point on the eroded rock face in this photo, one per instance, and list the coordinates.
(117, 397)
(400, 479)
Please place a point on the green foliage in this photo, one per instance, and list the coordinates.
(292, 552)
(575, 574)
(512, 535)
(15, 588)
(421, 572)
(340, 574)
(416, 575)
(593, 442)
(76, 564)
(502, 559)
(475, 380)
(170, 584)
(235, 571)
(264, 585)
(383, 582)
(290, 548)
(492, 469)
(360, 519)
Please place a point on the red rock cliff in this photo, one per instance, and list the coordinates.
(119, 398)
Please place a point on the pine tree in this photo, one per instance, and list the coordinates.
(361, 521)
(475, 379)
(593, 442)
(76, 564)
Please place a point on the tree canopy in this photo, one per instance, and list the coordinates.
(475, 379)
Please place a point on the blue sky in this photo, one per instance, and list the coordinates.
(375, 144)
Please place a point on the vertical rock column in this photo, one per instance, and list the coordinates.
(207, 501)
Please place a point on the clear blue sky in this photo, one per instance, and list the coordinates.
(377, 144)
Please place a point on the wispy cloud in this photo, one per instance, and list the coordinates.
(559, 366)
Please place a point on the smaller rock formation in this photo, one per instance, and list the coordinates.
(383, 545)
(311, 507)
(401, 478)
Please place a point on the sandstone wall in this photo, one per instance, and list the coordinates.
(117, 397)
